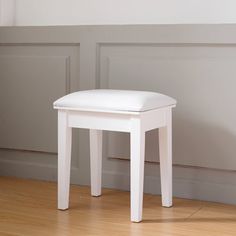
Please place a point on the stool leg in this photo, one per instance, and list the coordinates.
(64, 160)
(137, 142)
(165, 147)
(96, 161)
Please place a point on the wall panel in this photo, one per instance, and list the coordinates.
(200, 77)
(193, 63)
(32, 77)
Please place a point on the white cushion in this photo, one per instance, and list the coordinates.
(114, 100)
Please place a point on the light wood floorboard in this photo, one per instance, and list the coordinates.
(28, 207)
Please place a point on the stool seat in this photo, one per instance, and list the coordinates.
(114, 100)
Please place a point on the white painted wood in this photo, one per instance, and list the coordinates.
(154, 118)
(165, 149)
(96, 161)
(137, 142)
(137, 125)
(99, 120)
(64, 160)
(97, 110)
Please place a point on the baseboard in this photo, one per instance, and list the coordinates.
(182, 187)
(28, 170)
(188, 183)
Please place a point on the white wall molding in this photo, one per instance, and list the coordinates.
(7, 12)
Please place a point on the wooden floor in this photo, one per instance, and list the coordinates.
(29, 208)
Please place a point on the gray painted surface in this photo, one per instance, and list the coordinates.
(193, 63)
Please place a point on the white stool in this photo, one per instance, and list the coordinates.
(116, 110)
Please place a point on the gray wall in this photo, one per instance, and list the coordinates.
(193, 63)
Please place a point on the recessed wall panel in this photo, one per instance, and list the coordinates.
(31, 78)
(200, 77)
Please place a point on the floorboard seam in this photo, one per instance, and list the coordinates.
(200, 208)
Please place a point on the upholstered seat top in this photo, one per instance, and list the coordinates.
(114, 100)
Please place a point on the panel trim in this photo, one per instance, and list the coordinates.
(30, 151)
(66, 61)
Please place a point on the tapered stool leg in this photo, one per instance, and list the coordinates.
(96, 161)
(137, 142)
(64, 160)
(165, 147)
